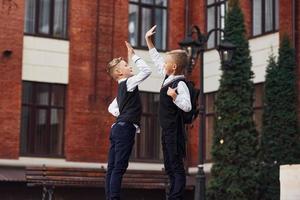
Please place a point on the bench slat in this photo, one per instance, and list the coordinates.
(56, 176)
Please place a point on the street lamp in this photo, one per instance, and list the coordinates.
(226, 50)
(195, 47)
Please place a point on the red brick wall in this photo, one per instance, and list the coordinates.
(90, 89)
(11, 37)
(247, 10)
(285, 19)
(176, 23)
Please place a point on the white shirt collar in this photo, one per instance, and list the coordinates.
(121, 80)
(171, 78)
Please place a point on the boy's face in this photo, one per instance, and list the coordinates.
(124, 70)
(170, 65)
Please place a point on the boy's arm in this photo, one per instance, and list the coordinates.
(154, 55)
(144, 73)
(113, 108)
(182, 100)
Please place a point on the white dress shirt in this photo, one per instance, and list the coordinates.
(183, 100)
(132, 83)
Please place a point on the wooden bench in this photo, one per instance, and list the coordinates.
(80, 177)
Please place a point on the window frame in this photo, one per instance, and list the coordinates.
(258, 101)
(153, 7)
(210, 113)
(258, 104)
(51, 22)
(263, 19)
(135, 157)
(30, 131)
(215, 5)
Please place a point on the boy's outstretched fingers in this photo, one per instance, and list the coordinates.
(129, 49)
(127, 44)
(150, 32)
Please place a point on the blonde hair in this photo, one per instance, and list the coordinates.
(180, 58)
(111, 66)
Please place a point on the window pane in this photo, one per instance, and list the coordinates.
(42, 124)
(161, 2)
(276, 14)
(26, 117)
(44, 18)
(133, 24)
(146, 23)
(211, 25)
(147, 1)
(30, 6)
(40, 137)
(147, 144)
(56, 131)
(258, 95)
(57, 95)
(220, 21)
(60, 18)
(210, 2)
(268, 15)
(161, 29)
(257, 17)
(42, 94)
(27, 93)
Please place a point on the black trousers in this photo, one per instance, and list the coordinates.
(121, 142)
(174, 161)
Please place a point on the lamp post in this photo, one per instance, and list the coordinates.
(195, 47)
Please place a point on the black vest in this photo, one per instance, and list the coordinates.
(169, 113)
(129, 103)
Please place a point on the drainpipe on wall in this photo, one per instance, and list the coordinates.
(95, 67)
(294, 23)
(187, 17)
(112, 43)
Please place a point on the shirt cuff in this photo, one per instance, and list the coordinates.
(135, 58)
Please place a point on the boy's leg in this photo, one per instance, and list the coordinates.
(110, 165)
(124, 137)
(180, 178)
(167, 165)
(174, 166)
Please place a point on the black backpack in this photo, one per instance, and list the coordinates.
(189, 117)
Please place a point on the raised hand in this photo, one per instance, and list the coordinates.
(148, 36)
(150, 32)
(130, 50)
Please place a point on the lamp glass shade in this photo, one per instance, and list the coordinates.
(226, 51)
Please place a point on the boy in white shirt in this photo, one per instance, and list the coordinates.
(174, 99)
(127, 109)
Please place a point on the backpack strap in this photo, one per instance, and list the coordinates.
(176, 81)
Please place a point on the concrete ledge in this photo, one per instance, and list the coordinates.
(289, 182)
(52, 162)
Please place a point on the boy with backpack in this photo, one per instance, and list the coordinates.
(174, 101)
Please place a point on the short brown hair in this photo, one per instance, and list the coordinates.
(112, 65)
(180, 58)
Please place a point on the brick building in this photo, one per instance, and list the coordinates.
(55, 90)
